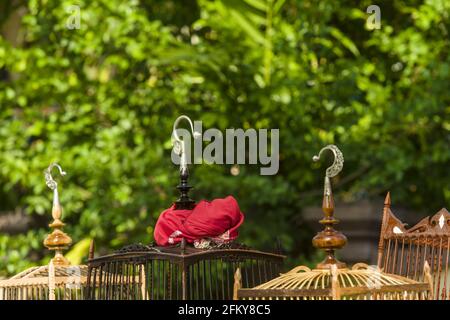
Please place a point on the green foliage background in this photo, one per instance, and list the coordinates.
(101, 101)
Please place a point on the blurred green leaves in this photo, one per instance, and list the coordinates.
(79, 251)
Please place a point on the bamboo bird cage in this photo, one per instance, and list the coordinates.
(58, 280)
(404, 251)
(332, 279)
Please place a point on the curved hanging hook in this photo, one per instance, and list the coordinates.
(175, 125)
(51, 183)
(338, 162)
(179, 145)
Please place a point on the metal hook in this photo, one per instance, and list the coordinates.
(338, 162)
(179, 145)
(175, 125)
(51, 183)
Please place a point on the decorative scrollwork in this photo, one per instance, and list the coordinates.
(177, 147)
(51, 183)
(137, 247)
(230, 245)
(338, 162)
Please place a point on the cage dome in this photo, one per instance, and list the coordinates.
(360, 282)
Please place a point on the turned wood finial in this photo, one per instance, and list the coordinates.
(56, 241)
(184, 202)
(330, 239)
(387, 200)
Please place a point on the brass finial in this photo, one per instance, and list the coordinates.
(57, 240)
(330, 239)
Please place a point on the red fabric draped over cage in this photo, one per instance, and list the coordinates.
(217, 220)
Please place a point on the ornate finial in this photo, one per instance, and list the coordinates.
(387, 200)
(57, 240)
(184, 202)
(329, 239)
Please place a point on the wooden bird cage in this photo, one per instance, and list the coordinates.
(140, 272)
(403, 251)
(57, 280)
(331, 279)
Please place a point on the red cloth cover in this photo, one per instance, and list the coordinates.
(217, 220)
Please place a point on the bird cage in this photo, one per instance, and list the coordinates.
(58, 280)
(331, 279)
(403, 251)
(141, 272)
(361, 282)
